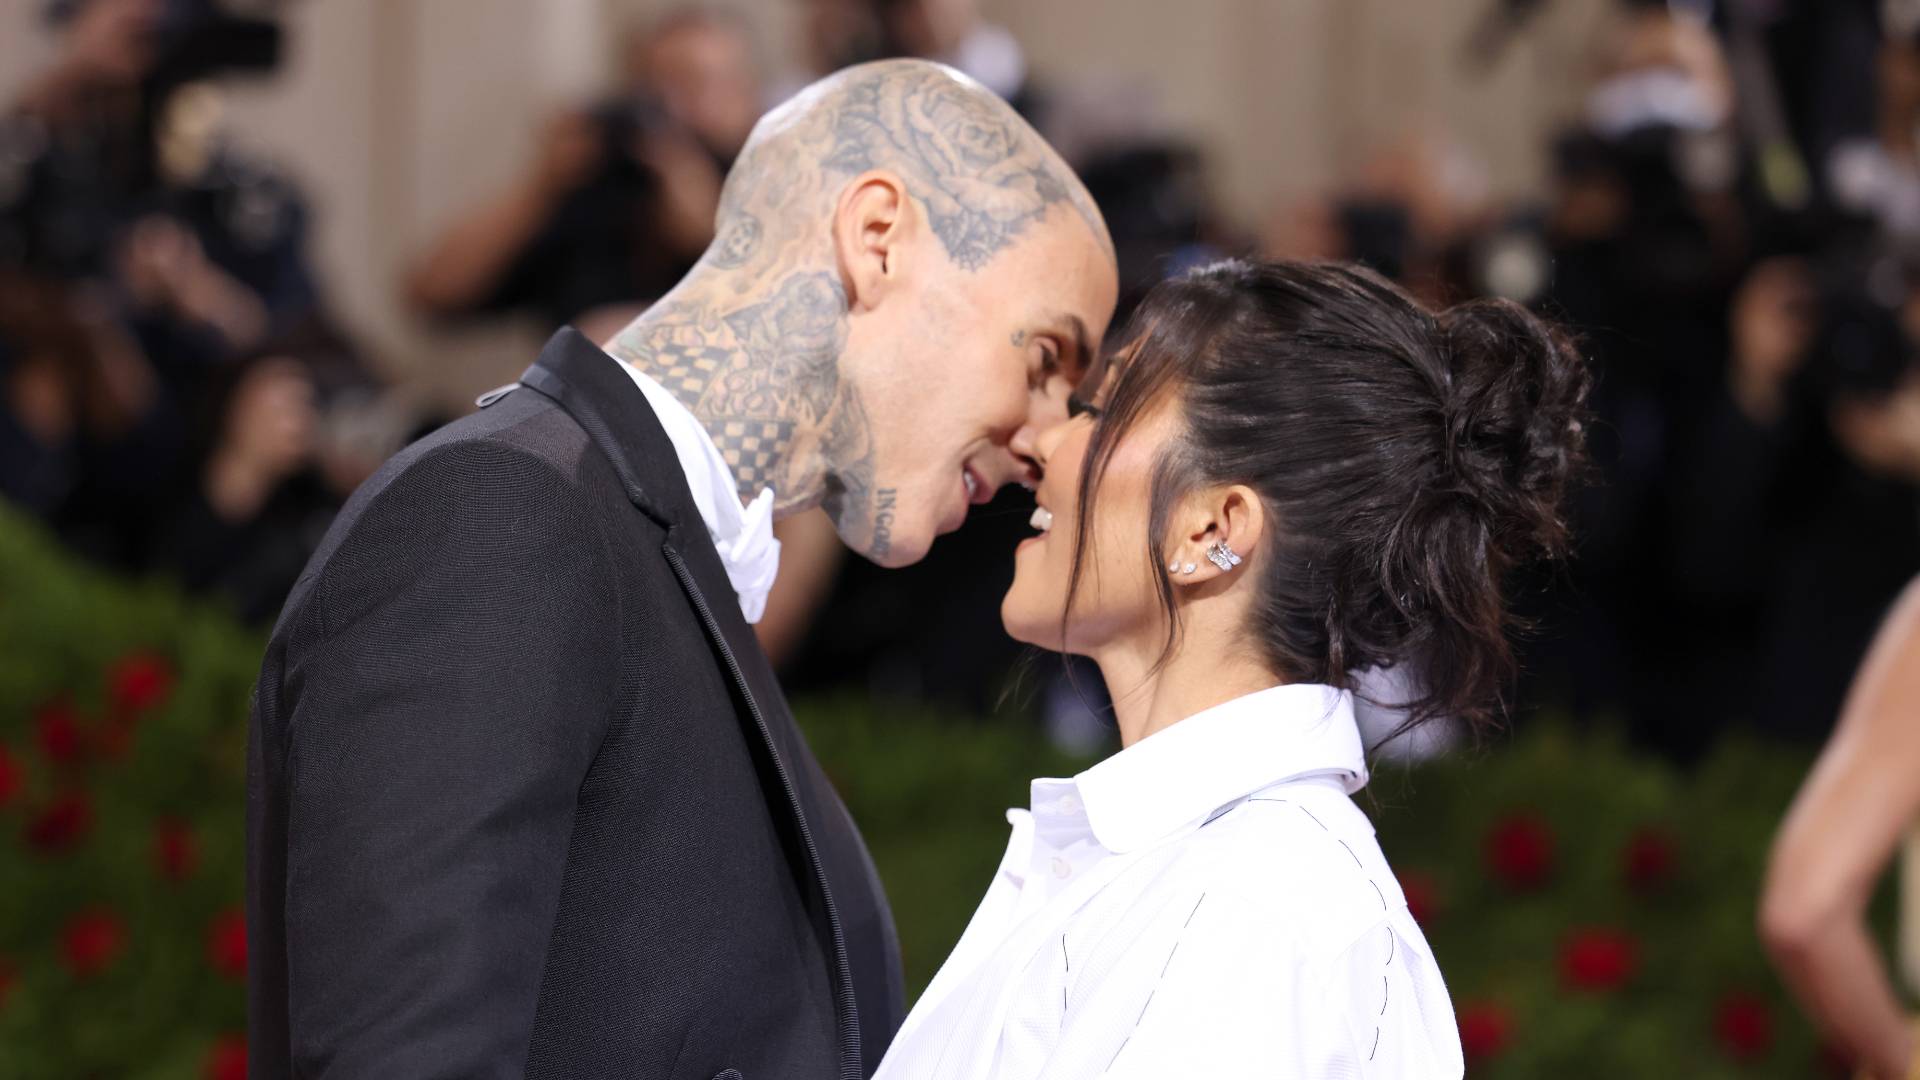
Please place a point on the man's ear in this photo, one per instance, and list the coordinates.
(872, 225)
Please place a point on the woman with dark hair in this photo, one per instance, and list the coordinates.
(1294, 474)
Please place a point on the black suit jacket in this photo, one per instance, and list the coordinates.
(524, 797)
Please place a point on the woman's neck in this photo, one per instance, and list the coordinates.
(1207, 669)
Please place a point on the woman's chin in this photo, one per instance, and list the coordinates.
(1018, 620)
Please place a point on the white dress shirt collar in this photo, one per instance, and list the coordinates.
(743, 535)
(1207, 902)
(1180, 774)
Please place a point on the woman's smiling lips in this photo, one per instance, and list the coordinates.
(1042, 520)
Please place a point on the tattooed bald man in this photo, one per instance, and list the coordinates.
(524, 797)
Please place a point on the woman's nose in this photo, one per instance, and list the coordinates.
(1045, 438)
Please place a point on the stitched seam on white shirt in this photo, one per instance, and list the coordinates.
(1156, 986)
(1392, 938)
(1066, 984)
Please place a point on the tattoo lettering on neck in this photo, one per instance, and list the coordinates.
(982, 174)
(1019, 339)
(883, 504)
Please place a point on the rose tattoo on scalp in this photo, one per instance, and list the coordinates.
(982, 179)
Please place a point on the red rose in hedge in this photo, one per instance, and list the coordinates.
(1649, 860)
(138, 683)
(227, 944)
(58, 725)
(90, 942)
(12, 777)
(1520, 852)
(1485, 1029)
(228, 1059)
(1743, 1025)
(1598, 959)
(1423, 896)
(174, 851)
(61, 826)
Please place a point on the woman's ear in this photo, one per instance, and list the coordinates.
(871, 226)
(1242, 519)
(1232, 516)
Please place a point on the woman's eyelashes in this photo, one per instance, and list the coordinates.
(1078, 407)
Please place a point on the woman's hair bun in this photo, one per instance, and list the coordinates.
(1515, 407)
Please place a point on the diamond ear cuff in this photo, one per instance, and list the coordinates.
(1222, 556)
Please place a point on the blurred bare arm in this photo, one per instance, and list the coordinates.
(1836, 841)
(470, 257)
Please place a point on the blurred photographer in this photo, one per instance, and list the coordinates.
(280, 442)
(80, 424)
(1644, 236)
(151, 262)
(1877, 178)
(1804, 485)
(619, 200)
(124, 129)
(115, 170)
(73, 160)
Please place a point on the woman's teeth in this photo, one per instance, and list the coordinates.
(973, 486)
(1042, 518)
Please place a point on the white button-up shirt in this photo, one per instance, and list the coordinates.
(1207, 902)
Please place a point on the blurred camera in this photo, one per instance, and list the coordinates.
(1865, 343)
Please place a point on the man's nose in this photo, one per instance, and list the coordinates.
(1017, 462)
(1034, 444)
(1030, 443)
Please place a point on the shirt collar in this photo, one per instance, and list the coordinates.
(1182, 773)
(743, 535)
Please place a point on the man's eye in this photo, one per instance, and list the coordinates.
(1077, 407)
(1049, 367)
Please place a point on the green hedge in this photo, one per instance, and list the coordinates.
(122, 781)
(1592, 910)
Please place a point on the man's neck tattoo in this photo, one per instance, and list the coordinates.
(762, 376)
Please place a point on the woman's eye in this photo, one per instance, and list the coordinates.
(1076, 408)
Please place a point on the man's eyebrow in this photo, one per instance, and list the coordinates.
(1077, 331)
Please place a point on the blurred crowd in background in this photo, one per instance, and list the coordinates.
(1732, 225)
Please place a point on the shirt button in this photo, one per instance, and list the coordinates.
(1062, 868)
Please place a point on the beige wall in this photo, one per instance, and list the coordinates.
(1289, 94)
(396, 114)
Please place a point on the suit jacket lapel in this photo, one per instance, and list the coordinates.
(603, 399)
(590, 385)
